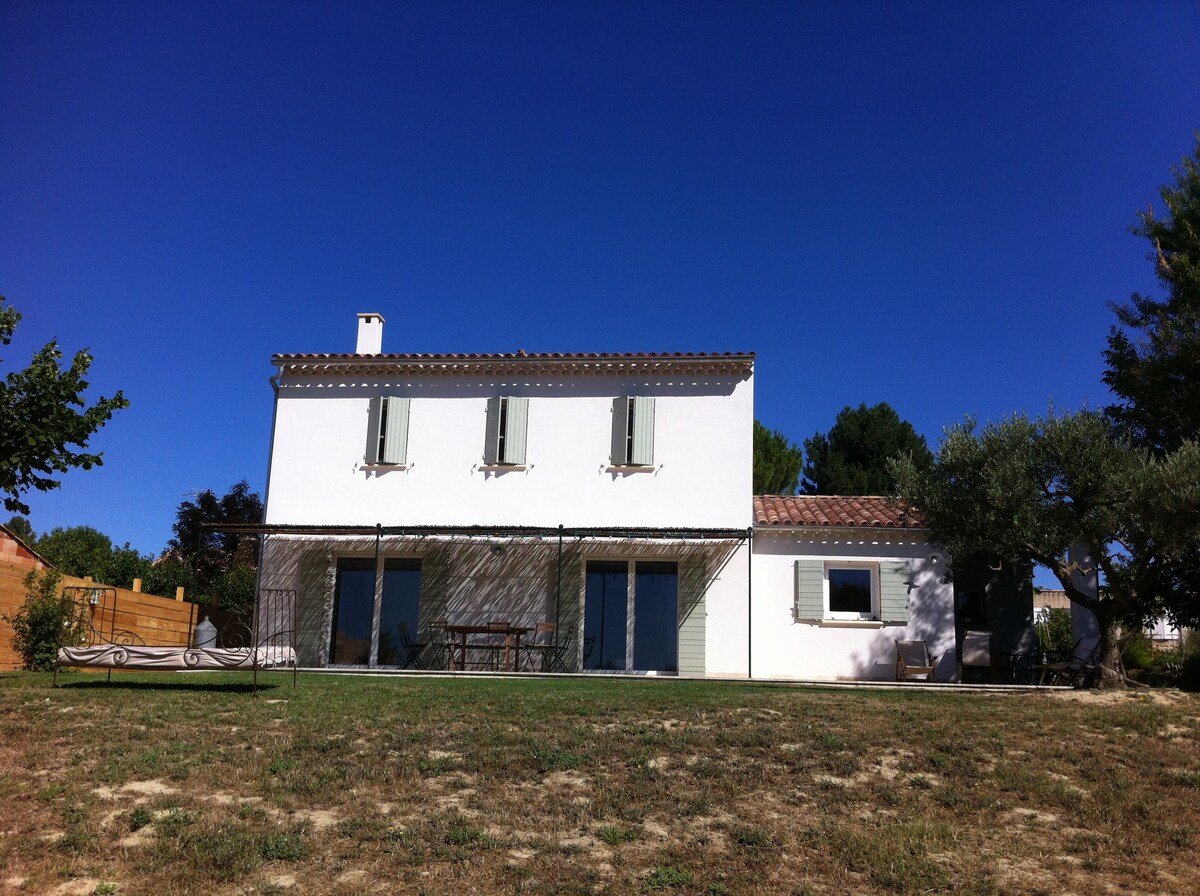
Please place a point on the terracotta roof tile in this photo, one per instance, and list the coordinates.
(834, 511)
(519, 355)
(682, 363)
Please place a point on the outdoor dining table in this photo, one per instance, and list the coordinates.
(512, 639)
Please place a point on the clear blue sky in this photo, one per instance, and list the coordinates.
(919, 203)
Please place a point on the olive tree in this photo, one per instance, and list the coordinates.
(1061, 488)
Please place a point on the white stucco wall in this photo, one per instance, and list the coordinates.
(703, 454)
(726, 642)
(786, 648)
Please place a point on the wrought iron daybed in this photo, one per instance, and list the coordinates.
(267, 643)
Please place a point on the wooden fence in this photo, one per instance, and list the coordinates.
(156, 620)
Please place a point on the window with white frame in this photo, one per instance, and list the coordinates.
(851, 590)
(507, 425)
(387, 430)
(835, 590)
(633, 431)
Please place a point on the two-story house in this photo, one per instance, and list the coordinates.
(609, 494)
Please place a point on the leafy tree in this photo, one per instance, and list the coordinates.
(853, 458)
(1054, 630)
(124, 565)
(777, 462)
(1036, 489)
(211, 554)
(44, 418)
(77, 551)
(234, 591)
(46, 621)
(20, 527)
(1153, 354)
(167, 574)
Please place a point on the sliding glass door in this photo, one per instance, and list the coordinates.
(656, 618)
(360, 622)
(605, 615)
(631, 629)
(400, 606)
(353, 613)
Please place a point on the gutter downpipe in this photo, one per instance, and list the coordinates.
(750, 603)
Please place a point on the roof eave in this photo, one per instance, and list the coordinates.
(374, 365)
(856, 532)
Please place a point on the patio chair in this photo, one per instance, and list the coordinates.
(913, 660)
(976, 654)
(499, 627)
(555, 657)
(539, 647)
(412, 649)
(1074, 670)
(440, 648)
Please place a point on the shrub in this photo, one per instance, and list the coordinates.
(1138, 652)
(46, 621)
(1054, 630)
(235, 589)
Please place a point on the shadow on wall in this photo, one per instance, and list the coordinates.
(931, 619)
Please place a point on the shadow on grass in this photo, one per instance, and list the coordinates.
(213, 687)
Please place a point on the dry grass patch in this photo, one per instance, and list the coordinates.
(356, 785)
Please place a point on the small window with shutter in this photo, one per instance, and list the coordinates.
(834, 591)
(387, 431)
(507, 426)
(633, 431)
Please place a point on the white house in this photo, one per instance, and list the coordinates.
(608, 494)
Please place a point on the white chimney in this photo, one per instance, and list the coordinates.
(370, 333)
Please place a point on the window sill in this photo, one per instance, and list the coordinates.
(851, 623)
(501, 468)
(383, 468)
(632, 468)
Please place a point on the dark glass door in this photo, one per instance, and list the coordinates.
(401, 605)
(656, 618)
(353, 612)
(605, 613)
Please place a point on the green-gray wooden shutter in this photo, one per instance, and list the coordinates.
(693, 610)
(395, 436)
(810, 589)
(894, 576)
(491, 451)
(517, 420)
(641, 452)
(374, 419)
(620, 432)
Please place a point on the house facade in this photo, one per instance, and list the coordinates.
(607, 494)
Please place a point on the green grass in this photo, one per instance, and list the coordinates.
(180, 784)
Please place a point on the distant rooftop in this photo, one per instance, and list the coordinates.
(834, 511)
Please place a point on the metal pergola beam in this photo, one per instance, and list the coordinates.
(482, 531)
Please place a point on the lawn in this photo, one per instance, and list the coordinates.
(181, 784)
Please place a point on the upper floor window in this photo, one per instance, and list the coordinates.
(387, 430)
(507, 425)
(633, 431)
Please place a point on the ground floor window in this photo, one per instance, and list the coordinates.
(359, 621)
(631, 616)
(851, 590)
